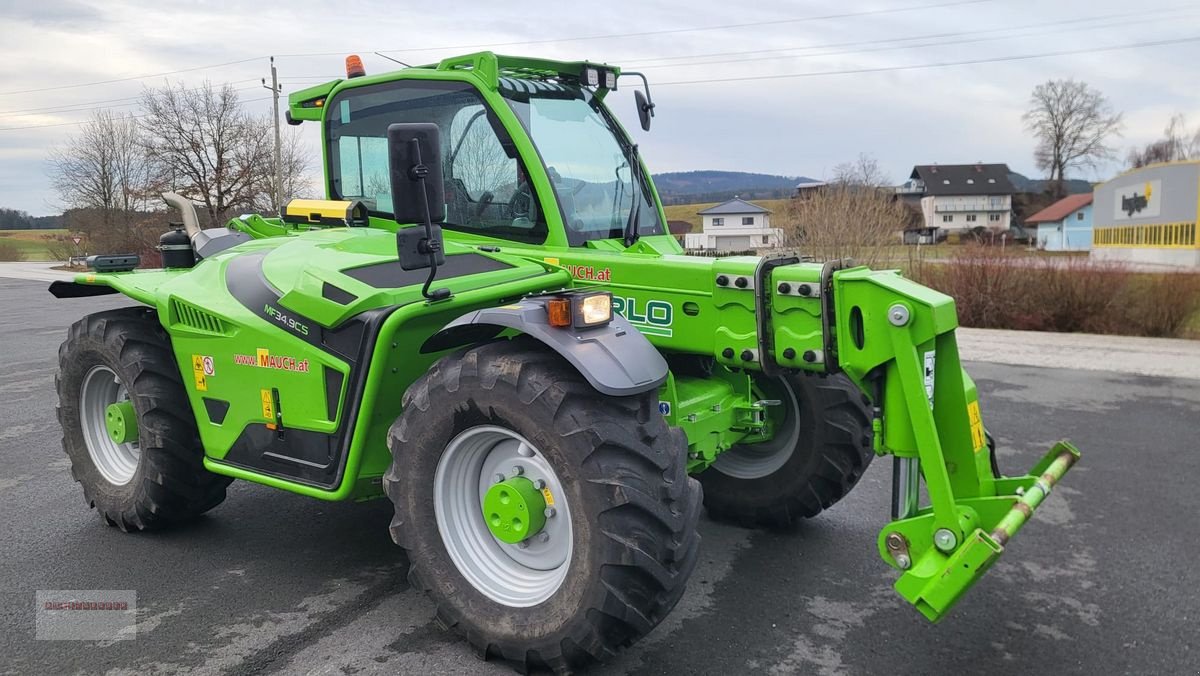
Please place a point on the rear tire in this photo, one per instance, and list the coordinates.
(821, 449)
(159, 479)
(629, 504)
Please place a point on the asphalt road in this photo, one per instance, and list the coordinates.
(1104, 580)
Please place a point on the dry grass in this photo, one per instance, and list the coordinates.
(28, 244)
(9, 251)
(992, 290)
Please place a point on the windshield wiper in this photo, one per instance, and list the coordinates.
(635, 178)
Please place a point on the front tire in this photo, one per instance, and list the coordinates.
(624, 503)
(156, 477)
(821, 448)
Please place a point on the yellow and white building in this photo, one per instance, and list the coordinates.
(1149, 215)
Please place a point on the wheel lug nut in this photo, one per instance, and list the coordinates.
(539, 484)
(499, 477)
(550, 511)
(544, 537)
(523, 544)
(518, 470)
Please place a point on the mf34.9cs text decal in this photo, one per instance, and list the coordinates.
(284, 320)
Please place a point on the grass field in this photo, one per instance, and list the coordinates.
(30, 243)
(687, 212)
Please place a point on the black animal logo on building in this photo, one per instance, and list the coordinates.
(1133, 204)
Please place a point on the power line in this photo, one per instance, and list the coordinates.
(87, 109)
(842, 15)
(943, 43)
(299, 79)
(671, 31)
(943, 64)
(930, 36)
(78, 122)
(132, 77)
(63, 108)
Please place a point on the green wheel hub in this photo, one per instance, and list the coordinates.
(514, 510)
(121, 422)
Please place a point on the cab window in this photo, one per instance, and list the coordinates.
(486, 186)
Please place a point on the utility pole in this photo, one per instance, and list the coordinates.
(275, 91)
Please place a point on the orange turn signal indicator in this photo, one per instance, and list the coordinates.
(558, 311)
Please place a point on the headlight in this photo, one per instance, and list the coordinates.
(594, 309)
(580, 310)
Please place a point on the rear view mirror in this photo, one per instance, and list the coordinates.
(415, 161)
(415, 165)
(645, 109)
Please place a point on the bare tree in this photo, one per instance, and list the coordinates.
(843, 220)
(103, 167)
(296, 167)
(104, 179)
(863, 171)
(1178, 143)
(1072, 123)
(209, 148)
(479, 159)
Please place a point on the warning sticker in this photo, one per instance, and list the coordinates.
(978, 438)
(202, 368)
(548, 496)
(664, 407)
(930, 361)
(268, 406)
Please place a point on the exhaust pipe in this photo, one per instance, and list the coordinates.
(191, 222)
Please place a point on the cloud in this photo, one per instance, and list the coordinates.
(47, 13)
(793, 126)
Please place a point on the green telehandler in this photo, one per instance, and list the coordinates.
(488, 323)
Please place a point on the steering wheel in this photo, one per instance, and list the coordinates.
(520, 205)
(485, 200)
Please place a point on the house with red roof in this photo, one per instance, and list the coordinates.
(1065, 225)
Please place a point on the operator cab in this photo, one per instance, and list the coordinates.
(596, 186)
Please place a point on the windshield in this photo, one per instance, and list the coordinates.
(485, 184)
(587, 164)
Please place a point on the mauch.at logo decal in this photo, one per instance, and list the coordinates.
(264, 359)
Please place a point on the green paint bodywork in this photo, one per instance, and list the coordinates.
(514, 509)
(926, 404)
(121, 422)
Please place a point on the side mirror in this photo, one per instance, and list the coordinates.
(415, 165)
(645, 109)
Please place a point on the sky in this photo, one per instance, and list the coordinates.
(778, 87)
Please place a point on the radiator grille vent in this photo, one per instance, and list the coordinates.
(195, 318)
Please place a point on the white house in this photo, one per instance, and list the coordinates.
(957, 197)
(736, 225)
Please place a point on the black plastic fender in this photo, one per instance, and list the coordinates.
(614, 358)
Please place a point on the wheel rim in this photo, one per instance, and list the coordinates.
(754, 461)
(116, 462)
(510, 574)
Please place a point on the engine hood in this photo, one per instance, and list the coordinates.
(331, 275)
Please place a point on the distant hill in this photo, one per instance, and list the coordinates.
(1037, 186)
(691, 187)
(14, 219)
